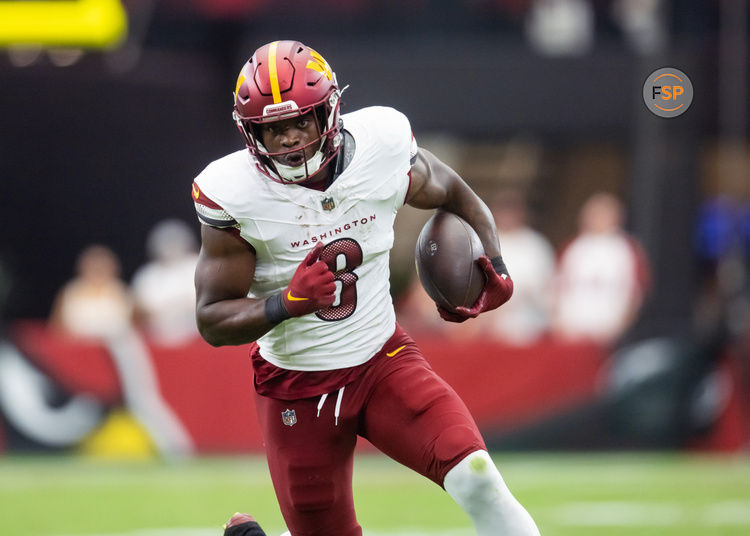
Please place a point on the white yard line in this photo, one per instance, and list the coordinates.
(733, 513)
(617, 514)
(642, 514)
(217, 531)
(726, 513)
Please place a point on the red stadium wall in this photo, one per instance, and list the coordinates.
(210, 389)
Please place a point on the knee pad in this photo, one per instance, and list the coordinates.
(452, 446)
(476, 485)
(475, 480)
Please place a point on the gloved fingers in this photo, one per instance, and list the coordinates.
(328, 288)
(449, 316)
(320, 268)
(472, 312)
(314, 254)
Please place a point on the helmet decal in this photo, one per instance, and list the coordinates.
(277, 109)
(273, 72)
(240, 80)
(317, 63)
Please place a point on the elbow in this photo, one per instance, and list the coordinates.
(214, 341)
(208, 331)
(210, 336)
(217, 336)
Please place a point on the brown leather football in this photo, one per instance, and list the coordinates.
(445, 255)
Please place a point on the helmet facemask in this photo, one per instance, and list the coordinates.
(324, 115)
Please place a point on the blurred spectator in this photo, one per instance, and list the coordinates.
(530, 259)
(561, 27)
(95, 303)
(602, 276)
(723, 247)
(163, 288)
(641, 23)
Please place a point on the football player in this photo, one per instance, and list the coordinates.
(296, 233)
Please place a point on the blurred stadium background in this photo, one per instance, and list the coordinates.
(110, 108)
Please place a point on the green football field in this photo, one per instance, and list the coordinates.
(582, 494)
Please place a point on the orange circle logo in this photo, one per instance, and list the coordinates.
(668, 92)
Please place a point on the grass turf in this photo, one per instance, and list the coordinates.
(582, 495)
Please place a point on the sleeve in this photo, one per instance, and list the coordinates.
(403, 144)
(413, 149)
(210, 212)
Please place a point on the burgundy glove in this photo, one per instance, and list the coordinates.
(497, 290)
(311, 289)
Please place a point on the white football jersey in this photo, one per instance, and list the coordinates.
(353, 218)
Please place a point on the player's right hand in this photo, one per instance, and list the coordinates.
(311, 288)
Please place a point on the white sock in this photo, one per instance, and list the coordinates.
(476, 485)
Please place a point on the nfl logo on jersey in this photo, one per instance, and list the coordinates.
(289, 417)
(328, 203)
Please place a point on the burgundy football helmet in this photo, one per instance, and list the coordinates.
(281, 80)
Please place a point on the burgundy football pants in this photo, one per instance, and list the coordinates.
(399, 404)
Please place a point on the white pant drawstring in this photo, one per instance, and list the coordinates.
(322, 401)
(337, 410)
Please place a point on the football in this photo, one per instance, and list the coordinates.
(445, 256)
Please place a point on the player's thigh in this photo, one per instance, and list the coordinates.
(310, 459)
(416, 418)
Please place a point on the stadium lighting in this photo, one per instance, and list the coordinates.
(69, 23)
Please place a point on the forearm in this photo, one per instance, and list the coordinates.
(233, 322)
(467, 204)
(436, 185)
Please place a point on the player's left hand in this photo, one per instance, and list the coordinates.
(497, 290)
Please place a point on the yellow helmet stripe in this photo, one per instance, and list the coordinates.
(272, 73)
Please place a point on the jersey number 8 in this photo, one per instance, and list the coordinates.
(350, 252)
